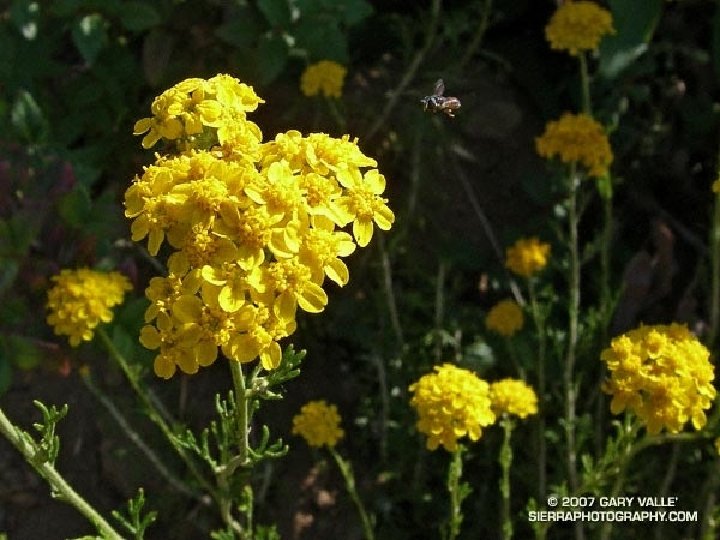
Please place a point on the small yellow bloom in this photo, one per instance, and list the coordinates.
(527, 256)
(319, 424)
(662, 374)
(326, 78)
(82, 299)
(505, 318)
(451, 403)
(513, 396)
(578, 26)
(577, 138)
(716, 186)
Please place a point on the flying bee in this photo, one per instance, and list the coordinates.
(437, 102)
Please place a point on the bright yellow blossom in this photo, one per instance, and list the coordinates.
(505, 318)
(253, 228)
(662, 374)
(513, 396)
(578, 26)
(527, 256)
(325, 77)
(451, 403)
(81, 299)
(577, 138)
(188, 108)
(319, 424)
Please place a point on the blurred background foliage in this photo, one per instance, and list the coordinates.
(76, 74)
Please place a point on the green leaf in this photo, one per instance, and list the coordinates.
(273, 52)
(242, 29)
(277, 12)
(23, 352)
(89, 34)
(75, 207)
(322, 38)
(634, 23)
(354, 11)
(139, 16)
(28, 119)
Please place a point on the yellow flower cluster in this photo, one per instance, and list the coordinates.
(253, 234)
(513, 396)
(325, 77)
(188, 109)
(81, 299)
(577, 138)
(527, 256)
(578, 26)
(451, 403)
(662, 374)
(318, 423)
(505, 318)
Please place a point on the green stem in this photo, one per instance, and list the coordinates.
(242, 419)
(715, 269)
(29, 449)
(152, 412)
(585, 84)
(335, 113)
(570, 388)
(505, 460)
(411, 70)
(628, 450)
(135, 437)
(347, 474)
(241, 411)
(456, 495)
(478, 36)
(539, 321)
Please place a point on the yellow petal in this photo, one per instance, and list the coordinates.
(312, 298)
(150, 337)
(164, 367)
(363, 232)
(336, 270)
(271, 357)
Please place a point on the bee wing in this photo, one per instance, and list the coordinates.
(439, 88)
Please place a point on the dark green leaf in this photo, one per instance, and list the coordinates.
(139, 16)
(354, 11)
(322, 39)
(277, 12)
(634, 23)
(23, 352)
(28, 119)
(89, 34)
(273, 52)
(75, 207)
(242, 29)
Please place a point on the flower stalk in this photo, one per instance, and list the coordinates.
(349, 478)
(505, 460)
(35, 456)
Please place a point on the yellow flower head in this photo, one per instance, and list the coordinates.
(577, 138)
(451, 403)
(82, 299)
(505, 318)
(185, 111)
(326, 78)
(662, 374)
(578, 26)
(513, 396)
(254, 229)
(319, 424)
(527, 256)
